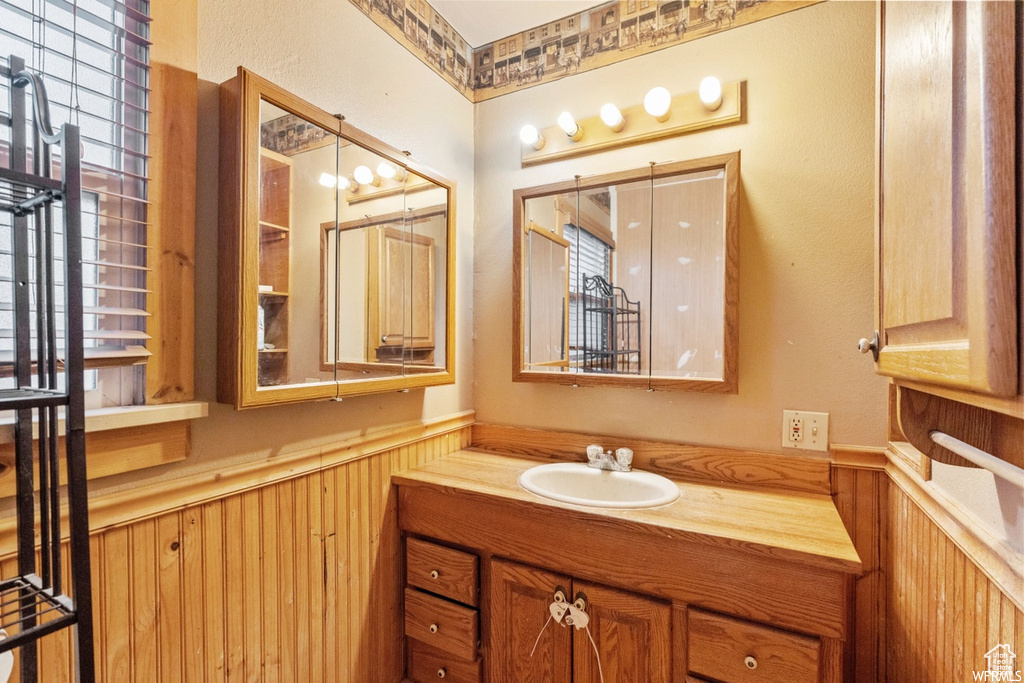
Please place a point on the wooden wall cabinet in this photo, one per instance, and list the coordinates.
(301, 188)
(946, 181)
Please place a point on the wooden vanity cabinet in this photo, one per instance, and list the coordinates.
(636, 637)
(946, 185)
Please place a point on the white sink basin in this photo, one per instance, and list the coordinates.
(572, 482)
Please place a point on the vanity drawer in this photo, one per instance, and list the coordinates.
(427, 665)
(736, 651)
(445, 571)
(442, 624)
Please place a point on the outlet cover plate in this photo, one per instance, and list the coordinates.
(814, 427)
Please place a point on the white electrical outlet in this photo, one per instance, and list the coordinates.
(808, 431)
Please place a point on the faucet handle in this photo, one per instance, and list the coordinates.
(624, 456)
(594, 452)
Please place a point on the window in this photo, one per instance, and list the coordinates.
(94, 57)
(591, 257)
(572, 24)
(558, 28)
(512, 45)
(501, 50)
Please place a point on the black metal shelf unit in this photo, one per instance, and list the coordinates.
(611, 328)
(45, 596)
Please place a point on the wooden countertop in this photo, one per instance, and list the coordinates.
(803, 528)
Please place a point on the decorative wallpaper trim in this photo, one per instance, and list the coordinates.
(603, 35)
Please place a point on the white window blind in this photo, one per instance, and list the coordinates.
(588, 256)
(93, 56)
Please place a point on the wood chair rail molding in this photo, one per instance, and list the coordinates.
(702, 464)
(149, 501)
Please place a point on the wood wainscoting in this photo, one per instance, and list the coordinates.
(936, 593)
(283, 570)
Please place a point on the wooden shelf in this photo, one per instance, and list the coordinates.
(272, 231)
(273, 294)
(283, 349)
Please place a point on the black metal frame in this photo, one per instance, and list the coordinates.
(618, 316)
(36, 603)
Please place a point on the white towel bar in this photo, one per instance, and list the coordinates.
(1000, 468)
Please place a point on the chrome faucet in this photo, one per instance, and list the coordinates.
(621, 461)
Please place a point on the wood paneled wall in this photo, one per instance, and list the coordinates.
(297, 579)
(943, 612)
(933, 598)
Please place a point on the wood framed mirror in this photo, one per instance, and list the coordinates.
(337, 256)
(630, 279)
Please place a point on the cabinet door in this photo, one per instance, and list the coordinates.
(518, 610)
(946, 215)
(632, 634)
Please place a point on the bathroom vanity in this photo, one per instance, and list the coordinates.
(725, 584)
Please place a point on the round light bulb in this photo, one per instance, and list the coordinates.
(386, 170)
(612, 117)
(567, 123)
(657, 102)
(711, 93)
(344, 183)
(328, 180)
(364, 176)
(529, 135)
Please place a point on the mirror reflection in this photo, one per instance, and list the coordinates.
(294, 156)
(628, 278)
(384, 274)
(352, 260)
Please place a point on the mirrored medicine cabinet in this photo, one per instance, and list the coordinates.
(336, 256)
(630, 279)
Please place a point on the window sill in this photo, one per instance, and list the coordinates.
(119, 440)
(107, 419)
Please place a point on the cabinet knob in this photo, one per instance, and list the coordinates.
(434, 574)
(442, 672)
(750, 662)
(433, 628)
(865, 345)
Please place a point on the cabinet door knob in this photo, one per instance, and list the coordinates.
(750, 662)
(433, 628)
(865, 345)
(434, 574)
(442, 672)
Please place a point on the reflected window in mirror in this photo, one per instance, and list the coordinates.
(630, 279)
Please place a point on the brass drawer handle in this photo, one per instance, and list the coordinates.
(750, 662)
(442, 672)
(433, 629)
(434, 574)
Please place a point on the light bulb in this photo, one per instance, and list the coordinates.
(567, 123)
(529, 135)
(344, 183)
(364, 176)
(711, 93)
(657, 102)
(386, 170)
(328, 180)
(612, 117)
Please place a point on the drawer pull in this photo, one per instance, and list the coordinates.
(434, 574)
(750, 662)
(442, 672)
(433, 629)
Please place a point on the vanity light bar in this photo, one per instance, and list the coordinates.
(660, 116)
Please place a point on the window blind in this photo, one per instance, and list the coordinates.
(93, 56)
(588, 256)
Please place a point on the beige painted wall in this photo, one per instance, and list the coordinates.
(806, 246)
(333, 56)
